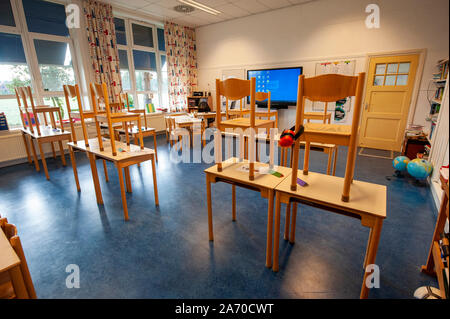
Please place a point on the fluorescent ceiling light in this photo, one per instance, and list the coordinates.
(200, 6)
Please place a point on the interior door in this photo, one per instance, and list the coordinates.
(388, 97)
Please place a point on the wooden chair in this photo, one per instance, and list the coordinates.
(328, 88)
(325, 116)
(262, 96)
(169, 127)
(233, 113)
(146, 131)
(99, 93)
(237, 171)
(40, 134)
(7, 290)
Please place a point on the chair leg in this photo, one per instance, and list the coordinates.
(26, 147)
(127, 179)
(306, 160)
(122, 192)
(74, 167)
(155, 184)
(155, 146)
(276, 239)
(233, 196)
(335, 159)
(330, 158)
(269, 239)
(53, 150)
(105, 169)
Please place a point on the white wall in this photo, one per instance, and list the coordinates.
(325, 30)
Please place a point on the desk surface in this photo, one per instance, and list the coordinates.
(335, 129)
(365, 198)
(131, 151)
(231, 171)
(8, 257)
(46, 131)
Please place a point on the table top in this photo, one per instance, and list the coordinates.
(46, 131)
(186, 119)
(231, 169)
(365, 198)
(8, 257)
(335, 129)
(131, 151)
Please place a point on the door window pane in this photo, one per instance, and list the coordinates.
(55, 64)
(390, 80)
(380, 69)
(402, 79)
(392, 68)
(379, 79)
(13, 66)
(142, 35)
(124, 70)
(404, 68)
(45, 17)
(161, 41)
(6, 14)
(120, 31)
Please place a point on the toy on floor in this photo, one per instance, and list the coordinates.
(288, 137)
(399, 163)
(419, 168)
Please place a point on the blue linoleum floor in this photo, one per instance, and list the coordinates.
(165, 253)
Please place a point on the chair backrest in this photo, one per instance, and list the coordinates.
(10, 231)
(235, 89)
(261, 96)
(326, 88)
(19, 105)
(71, 92)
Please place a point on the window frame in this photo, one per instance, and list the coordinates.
(128, 22)
(28, 38)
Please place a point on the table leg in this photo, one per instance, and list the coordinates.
(208, 198)
(26, 147)
(269, 230)
(33, 150)
(371, 253)
(233, 196)
(276, 240)
(44, 162)
(155, 146)
(18, 283)
(293, 223)
(74, 167)
(105, 169)
(127, 179)
(122, 191)
(98, 191)
(287, 222)
(61, 151)
(155, 184)
(53, 150)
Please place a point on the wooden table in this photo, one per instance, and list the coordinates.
(48, 135)
(146, 131)
(367, 203)
(263, 183)
(208, 115)
(10, 262)
(188, 122)
(133, 155)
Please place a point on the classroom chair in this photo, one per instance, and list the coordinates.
(99, 95)
(7, 290)
(328, 88)
(133, 131)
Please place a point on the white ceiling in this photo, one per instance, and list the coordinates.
(230, 9)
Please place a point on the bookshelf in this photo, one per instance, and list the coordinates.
(439, 80)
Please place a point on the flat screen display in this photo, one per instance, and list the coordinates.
(282, 84)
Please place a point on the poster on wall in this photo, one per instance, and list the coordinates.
(236, 74)
(341, 108)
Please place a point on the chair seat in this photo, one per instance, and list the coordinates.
(333, 129)
(44, 108)
(244, 122)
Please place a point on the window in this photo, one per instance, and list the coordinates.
(141, 66)
(391, 74)
(6, 14)
(35, 50)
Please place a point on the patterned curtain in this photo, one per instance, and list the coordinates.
(182, 64)
(103, 46)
